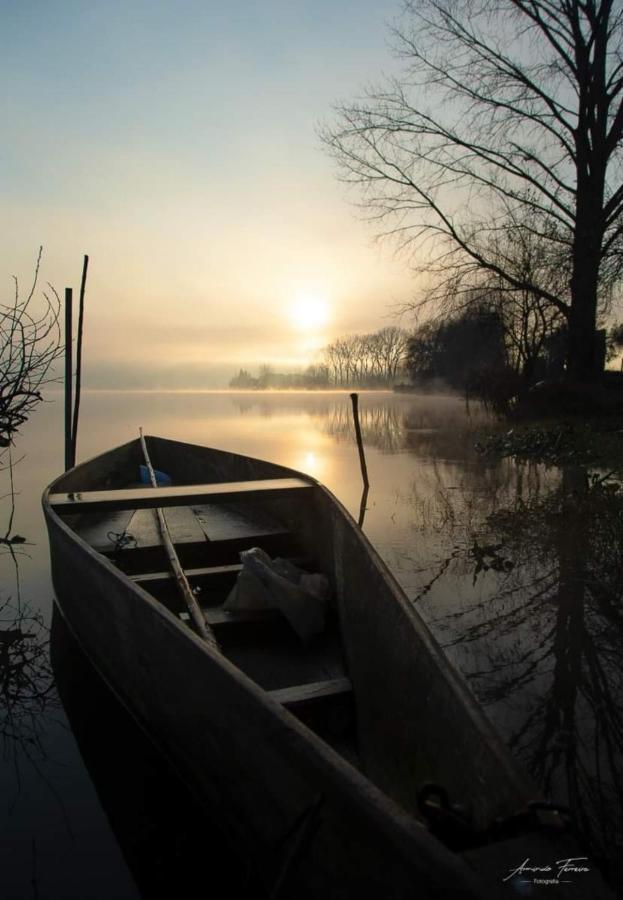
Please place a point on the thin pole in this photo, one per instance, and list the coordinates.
(362, 505)
(74, 430)
(68, 376)
(180, 576)
(362, 456)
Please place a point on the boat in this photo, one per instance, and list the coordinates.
(346, 759)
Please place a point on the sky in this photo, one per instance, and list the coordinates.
(177, 144)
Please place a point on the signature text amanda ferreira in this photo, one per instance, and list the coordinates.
(550, 873)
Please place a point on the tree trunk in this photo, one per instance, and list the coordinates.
(591, 143)
(584, 359)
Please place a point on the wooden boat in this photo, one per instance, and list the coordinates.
(328, 761)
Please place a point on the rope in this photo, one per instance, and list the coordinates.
(121, 540)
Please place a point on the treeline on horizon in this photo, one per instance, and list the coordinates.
(495, 347)
(374, 360)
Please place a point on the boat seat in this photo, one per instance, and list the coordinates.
(216, 615)
(206, 572)
(151, 559)
(300, 694)
(179, 495)
(202, 572)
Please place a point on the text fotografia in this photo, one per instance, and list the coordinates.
(560, 872)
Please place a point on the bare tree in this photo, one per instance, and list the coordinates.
(367, 359)
(507, 113)
(393, 347)
(29, 344)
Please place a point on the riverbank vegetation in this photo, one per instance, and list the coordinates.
(595, 442)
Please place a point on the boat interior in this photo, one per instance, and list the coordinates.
(212, 514)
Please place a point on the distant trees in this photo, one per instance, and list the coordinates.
(314, 376)
(265, 377)
(367, 360)
(508, 121)
(29, 345)
(357, 360)
(243, 380)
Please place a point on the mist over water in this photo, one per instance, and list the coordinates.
(516, 567)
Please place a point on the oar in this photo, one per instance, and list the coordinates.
(182, 582)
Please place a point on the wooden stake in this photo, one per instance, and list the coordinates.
(68, 376)
(182, 582)
(74, 430)
(362, 505)
(362, 456)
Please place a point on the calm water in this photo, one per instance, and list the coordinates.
(517, 568)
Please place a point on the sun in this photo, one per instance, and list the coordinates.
(309, 311)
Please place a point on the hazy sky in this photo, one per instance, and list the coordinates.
(176, 143)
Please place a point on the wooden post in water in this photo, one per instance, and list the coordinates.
(74, 429)
(68, 376)
(362, 456)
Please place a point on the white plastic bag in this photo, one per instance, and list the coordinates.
(266, 583)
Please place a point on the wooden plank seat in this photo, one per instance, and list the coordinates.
(145, 560)
(300, 694)
(179, 495)
(217, 616)
(209, 572)
(148, 578)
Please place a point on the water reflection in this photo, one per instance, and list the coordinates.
(540, 633)
(26, 681)
(26, 685)
(428, 426)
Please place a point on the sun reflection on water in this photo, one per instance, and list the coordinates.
(310, 463)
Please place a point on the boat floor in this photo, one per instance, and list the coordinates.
(308, 678)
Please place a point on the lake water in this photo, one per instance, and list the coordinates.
(516, 567)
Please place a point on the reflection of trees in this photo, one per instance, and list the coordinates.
(541, 640)
(456, 510)
(426, 425)
(276, 402)
(382, 426)
(26, 682)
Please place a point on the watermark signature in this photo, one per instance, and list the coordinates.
(554, 873)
